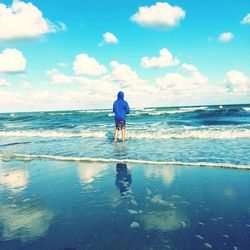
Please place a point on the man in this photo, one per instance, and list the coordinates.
(121, 108)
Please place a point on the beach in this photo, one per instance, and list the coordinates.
(124, 125)
(180, 181)
(52, 204)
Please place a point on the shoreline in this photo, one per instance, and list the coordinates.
(26, 157)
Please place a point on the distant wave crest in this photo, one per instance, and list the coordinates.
(155, 112)
(55, 134)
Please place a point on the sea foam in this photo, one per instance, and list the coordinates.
(211, 133)
(27, 157)
(48, 134)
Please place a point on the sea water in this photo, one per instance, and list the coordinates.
(189, 134)
(181, 180)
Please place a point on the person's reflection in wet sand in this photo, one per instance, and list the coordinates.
(120, 150)
(123, 178)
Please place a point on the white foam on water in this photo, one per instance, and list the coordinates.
(191, 109)
(149, 109)
(60, 113)
(199, 237)
(208, 245)
(247, 109)
(183, 223)
(131, 211)
(195, 134)
(191, 133)
(96, 111)
(27, 157)
(53, 134)
(149, 192)
(155, 112)
(134, 224)
(134, 202)
(163, 112)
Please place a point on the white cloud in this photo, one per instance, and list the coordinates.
(226, 37)
(63, 27)
(160, 15)
(189, 67)
(84, 97)
(85, 64)
(12, 61)
(108, 38)
(4, 83)
(26, 85)
(164, 60)
(24, 21)
(58, 77)
(94, 90)
(178, 84)
(237, 82)
(62, 64)
(246, 19)
(189, 87)
(122, 73)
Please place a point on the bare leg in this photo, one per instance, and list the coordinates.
(116, 134)
(123, 134)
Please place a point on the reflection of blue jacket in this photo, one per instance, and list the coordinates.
(123, 178)
(120, 107)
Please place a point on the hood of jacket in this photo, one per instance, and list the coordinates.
(120, 95)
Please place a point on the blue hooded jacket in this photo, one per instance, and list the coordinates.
(120, 107)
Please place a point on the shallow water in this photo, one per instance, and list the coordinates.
(46, 204)
(189, 134)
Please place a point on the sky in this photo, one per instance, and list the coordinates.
(65, 55)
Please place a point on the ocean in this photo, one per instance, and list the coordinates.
(213, 134)
(180, 181)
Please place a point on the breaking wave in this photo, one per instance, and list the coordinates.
(247, 109)
(194, 134)
(208, 133)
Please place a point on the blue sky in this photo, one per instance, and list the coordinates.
(62, 61)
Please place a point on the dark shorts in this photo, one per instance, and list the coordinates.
(120, 125)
